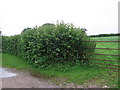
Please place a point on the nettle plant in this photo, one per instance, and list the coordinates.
(51, 44)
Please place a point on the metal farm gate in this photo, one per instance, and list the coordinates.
(106, 53)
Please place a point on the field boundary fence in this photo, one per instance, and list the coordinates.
(101, 64)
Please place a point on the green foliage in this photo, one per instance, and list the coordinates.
(50, 44)
(47, 24)
(105, 35)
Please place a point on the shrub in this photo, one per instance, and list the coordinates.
(50, 45)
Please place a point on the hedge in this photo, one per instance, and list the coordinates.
(105, 35)
(50, 44)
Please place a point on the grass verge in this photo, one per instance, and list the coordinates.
(78, 75)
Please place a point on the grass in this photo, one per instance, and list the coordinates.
(110, 38)
(114, 45)
(14, 62)
(76, 74)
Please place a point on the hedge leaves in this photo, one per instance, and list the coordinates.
(50, 44)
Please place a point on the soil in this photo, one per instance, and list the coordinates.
(25, 80)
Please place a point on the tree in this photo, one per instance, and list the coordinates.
(26, 29)
(47, 24)
(0, 33)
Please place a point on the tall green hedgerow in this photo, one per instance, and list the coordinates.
(50, 44)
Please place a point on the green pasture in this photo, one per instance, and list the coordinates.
(110, 38)
(107, 45)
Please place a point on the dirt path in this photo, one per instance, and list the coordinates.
(25, 80)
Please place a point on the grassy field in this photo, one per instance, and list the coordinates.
(110, 38)
(77, 74)
(113, 45)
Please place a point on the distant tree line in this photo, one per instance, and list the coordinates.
(105, 35)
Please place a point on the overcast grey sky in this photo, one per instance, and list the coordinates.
(97, 16)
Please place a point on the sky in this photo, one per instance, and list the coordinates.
(97, 16)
